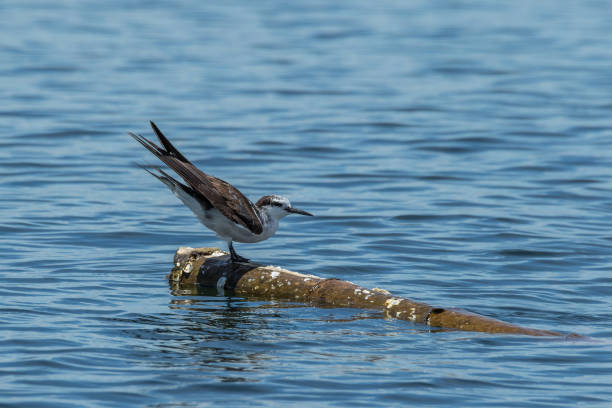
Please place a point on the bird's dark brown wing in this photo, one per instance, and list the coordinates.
(222, 195)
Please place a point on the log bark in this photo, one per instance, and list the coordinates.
(210, 267)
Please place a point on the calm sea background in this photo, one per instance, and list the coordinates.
(454, 152)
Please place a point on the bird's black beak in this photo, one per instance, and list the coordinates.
(294, 210)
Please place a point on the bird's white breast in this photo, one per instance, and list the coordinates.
(225, 228)
(228, 230)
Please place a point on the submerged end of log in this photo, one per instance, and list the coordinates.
(211, 267)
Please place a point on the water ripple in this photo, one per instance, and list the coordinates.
(453, 153)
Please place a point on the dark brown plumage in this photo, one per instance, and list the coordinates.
(218, 193)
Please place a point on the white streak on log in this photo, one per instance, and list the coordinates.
(184, 250)
(383, 291)
(392, 302)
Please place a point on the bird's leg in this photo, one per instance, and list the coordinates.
(234, 256)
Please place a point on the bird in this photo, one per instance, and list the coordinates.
(216, 203)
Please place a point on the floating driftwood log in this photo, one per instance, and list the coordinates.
(211, 267)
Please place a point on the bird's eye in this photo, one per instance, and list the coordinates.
(277, 204)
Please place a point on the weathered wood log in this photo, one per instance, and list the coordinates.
(210, 267)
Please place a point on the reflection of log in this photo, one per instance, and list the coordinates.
(210, 267)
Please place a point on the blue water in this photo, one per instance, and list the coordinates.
(454, 152)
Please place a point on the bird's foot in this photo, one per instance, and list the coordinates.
(238, 258)
(234, 257)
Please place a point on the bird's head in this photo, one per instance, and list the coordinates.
(278, 207)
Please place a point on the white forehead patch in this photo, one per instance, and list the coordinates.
(281, 200)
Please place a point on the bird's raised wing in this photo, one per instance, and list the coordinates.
(222, 195)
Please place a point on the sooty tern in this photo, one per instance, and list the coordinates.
(217, 204)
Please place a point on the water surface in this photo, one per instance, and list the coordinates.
(457, 153)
